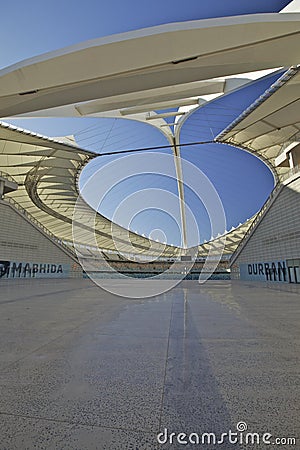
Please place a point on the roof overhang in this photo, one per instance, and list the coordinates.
(168, 63)
(148, 59)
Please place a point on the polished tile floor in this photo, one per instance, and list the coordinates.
(83, 369)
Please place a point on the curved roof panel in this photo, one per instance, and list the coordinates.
(271, 122)
(135, 70)
(46, 171)
(152, 58)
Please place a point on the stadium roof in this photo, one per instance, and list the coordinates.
(46, 172)
(153, 58)
(130, 75)
(271, 123)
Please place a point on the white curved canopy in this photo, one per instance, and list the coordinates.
(151, 58)
(46, 172)
(270, 123)
(129, 75)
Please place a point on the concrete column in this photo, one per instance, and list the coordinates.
(294, 157)
(2, 184)
(291, 160)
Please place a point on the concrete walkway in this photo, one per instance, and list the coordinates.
(83, 369)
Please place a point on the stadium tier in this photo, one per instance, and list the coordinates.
(40, 175)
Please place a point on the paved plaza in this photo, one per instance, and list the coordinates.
(83, 369)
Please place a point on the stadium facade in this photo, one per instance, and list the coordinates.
(131, 76)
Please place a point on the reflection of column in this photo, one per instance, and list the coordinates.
(185, 356)
(180, 184)
(185, 309)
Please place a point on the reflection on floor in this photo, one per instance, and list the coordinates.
(83, 369)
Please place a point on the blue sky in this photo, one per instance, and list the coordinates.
(242, 181)
(32, 27)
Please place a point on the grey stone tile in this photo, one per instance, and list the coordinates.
(192, 398)
(93, 368)
(25, 433)
(21, 433)
(99, 438)
(96, 379)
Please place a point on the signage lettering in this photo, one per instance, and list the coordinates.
(13, 269)
(264, 271)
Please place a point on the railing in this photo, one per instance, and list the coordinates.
(33, 220)
(263, 210)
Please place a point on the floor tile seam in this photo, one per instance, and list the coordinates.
(50, 342)
(45, 294)
(74, 424)
(11, 363)
(242, 339)
(260, 339)
(132, 336)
